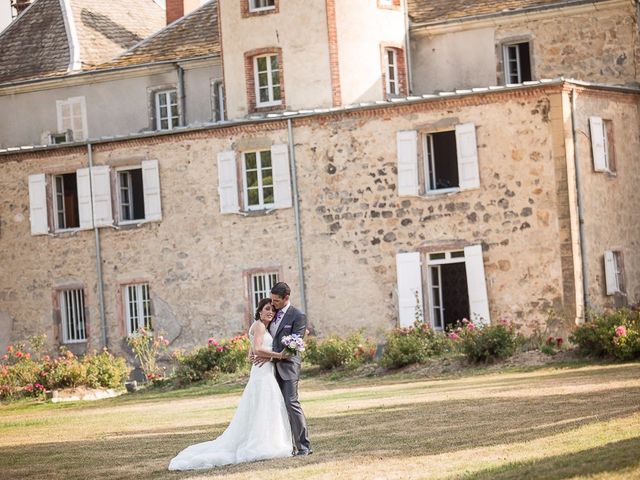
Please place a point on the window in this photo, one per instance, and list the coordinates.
(218, 101)
(267, 80)
(450, 161)
(613, 269)
(261, 284)
(131, 194)
(602, 144)
(72, 316)
(455, 284)
(258, 180)
(65, 203)
(57, 138)
(72, 116)
(391, 70)
(259, 5)
(167, 116)
(265, 178)
(517, 62)
(137, 305)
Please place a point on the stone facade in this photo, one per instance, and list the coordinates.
(597, 43)
(353, 222)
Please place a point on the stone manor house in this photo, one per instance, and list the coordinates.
(453, 158)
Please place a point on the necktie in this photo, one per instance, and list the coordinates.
(276, 321)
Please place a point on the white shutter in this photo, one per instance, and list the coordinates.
(78, 109)
(407, 146)
(228, 182)
(598, 144)
(611, 273)
(102, 196)
(468, 171)
(84, 198)
(409, 276)
(38, 204)
(476, 284)
(151, 188)
(281, 176)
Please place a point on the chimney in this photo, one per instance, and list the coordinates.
(20, 5)
(174, 10)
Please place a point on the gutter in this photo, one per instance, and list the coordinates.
(182, 109)
(100, 279)
(296, 211)
(407, 48)
(580, 200)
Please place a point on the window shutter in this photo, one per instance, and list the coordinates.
(407, 146)
(78, 109)
(597, 144)
(467, 148)
(610, 273)
(281, 176)
(151, 188)
(102, 196)
(84, 198)
(409, 277)
(476, 284)
(64, 115)
(38, 204)
(228, 182)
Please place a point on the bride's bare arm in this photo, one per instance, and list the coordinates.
(257, 347)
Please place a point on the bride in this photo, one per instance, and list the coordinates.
(260, 427)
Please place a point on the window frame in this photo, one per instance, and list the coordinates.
(270, 86)
(144, 315)
(253, 9)
(54, 202)
(437, 263)
(70, 102)
(157, 115)
(78, 310)
(118, 198)
(428, 162)
(516, 42)
(245, 187)
(247, 276)
(389, 68)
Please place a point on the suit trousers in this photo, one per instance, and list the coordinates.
(289, 389)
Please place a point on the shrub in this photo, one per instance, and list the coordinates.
(409, 345)
(105, 370)
(485, 343)
(334, 351)
(147, 348)
(610, 334)
(65, 371)
(229, 356)
(552, 345)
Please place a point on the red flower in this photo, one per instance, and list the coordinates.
(19, 354)
(559, 341)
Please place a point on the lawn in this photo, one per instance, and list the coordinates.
(550, 423)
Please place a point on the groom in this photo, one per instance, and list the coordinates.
(287, 321)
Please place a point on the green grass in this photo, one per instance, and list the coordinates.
(573, 422)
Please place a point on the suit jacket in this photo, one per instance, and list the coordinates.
(294, 321)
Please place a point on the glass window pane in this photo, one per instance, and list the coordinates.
(250, 160)
(264, 95)
(254, 197)
(267, 179)
(274, 62)
(265, 159)
(252, 179)
(268, 194)
(276, 93)
(164, 124)
(262, 64)
(263, 79)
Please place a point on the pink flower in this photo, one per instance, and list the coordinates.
(465, 320)
(470, 326)
(27, 355)
(5, 357)
(212, 342)
(219, 349)
(454, 336)
(166, 342)
(19, 354)
(621, 331)
(10, 348)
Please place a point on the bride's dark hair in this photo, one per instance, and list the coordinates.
(263, 303)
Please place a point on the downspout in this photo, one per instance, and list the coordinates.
(103, 318)
(296, 211)
(182, 110)
(580, 201)
(407, 49)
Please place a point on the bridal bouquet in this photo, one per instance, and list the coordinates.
(293, 343)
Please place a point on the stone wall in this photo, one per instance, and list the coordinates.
(353, 222)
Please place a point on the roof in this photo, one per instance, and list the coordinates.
(194, 35)
(442, 11)
(279, 116)
(39, 42)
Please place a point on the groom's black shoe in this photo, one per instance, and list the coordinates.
(303, 453)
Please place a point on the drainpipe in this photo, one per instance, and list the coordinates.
(296, 210)
(103, 318)
(182, 110)
(407, 48)
(582, 236)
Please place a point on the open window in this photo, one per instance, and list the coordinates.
(602, 144)
(517, 62)
(454, 282)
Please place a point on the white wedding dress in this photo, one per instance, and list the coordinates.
(259, 429)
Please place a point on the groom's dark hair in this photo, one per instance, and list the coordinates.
(281, 289)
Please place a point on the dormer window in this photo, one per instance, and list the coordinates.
(261, 5)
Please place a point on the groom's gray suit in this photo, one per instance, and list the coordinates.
(288, 374)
